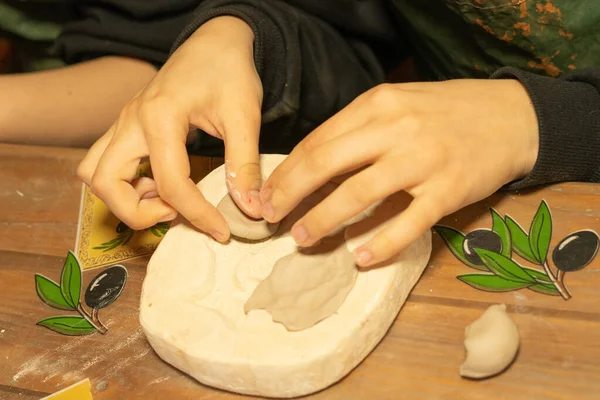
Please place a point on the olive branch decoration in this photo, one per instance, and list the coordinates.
(491, 252)
(102, 291)
(125, 234)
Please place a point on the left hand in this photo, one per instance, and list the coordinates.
(447, 144)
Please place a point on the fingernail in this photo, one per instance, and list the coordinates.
(265, 194)
(219, 236)
(267, 211)
(254, 197)
(363, 257)
(168, 217)
(254, 204)
(300, 234)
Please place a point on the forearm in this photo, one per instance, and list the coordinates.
(71, 106)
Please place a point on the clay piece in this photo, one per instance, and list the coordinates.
(243, 226)
(307, 286)
(491, 343)
(197, 290)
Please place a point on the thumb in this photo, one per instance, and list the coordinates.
(242, 161)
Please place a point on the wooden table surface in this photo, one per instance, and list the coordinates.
(419, 358)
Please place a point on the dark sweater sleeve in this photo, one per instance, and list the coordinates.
(568, 112)
(138, 29)
(313, 57)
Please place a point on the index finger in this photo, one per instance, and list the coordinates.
(171, 170)
(111, 182)
(348, 119)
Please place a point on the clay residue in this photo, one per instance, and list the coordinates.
(307, 286)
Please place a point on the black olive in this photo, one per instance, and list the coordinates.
(576, 251)
(106, 287)
(122, 227)
(481, 239)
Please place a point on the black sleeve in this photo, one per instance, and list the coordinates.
(314, 57)
(568, 112)
(138, 29)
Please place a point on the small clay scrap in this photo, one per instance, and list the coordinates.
(307, 286)
(491, 343)
(243, 226)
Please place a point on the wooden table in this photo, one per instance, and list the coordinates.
(418, 359)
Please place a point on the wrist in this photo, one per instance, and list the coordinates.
(528, 135)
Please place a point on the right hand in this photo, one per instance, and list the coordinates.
(210, 83)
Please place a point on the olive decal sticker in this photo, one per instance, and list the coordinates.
(491, 252)
(576, 251)
(481, 239)
(125, 234)
(121, 227)
(102, 291)
(106, 287)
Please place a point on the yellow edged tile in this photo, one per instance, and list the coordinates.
(103, 240)
(79, 391)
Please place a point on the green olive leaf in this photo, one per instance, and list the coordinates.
(454, 239)
(504, 267)
(72, 326)
(491, 283)
(520, 240)
(540, 233)
(49, 292)
(128, 237)
(545, 288)
(70, 280)
(499, 226)
(539, 275)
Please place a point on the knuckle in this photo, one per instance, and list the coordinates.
(166, 189)
(150, 106)
(309, 143)
(359, 191)
(412, 125)
(386, 245)
(316, 162)
(100, 185)
(433, 211)
(84, 172)
(384, 96)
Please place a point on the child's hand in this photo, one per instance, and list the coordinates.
(447, 144)
(211, 83)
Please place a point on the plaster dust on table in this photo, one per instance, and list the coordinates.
(61, 360)
(193, 297)
(48, 362)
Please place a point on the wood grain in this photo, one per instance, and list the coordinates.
(418, 358)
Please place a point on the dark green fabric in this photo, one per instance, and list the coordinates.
(474, 38)
(33, 27)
